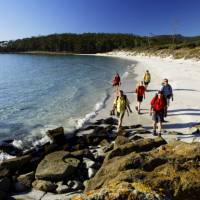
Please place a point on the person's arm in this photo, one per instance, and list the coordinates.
(144, 92)
(172, 96)
(114, 104)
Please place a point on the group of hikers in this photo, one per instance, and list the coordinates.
(158, 105)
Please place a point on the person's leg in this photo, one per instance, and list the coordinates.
(154, 128)
(160, 119)
(139, 105)
(120, 121)
(159, 128)
(154, 118)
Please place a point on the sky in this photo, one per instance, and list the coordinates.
(26, 18)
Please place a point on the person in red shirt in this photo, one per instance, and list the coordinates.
(158, 104)
(140, 91)
(116, 82)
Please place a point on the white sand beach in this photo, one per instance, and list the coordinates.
(183, 76)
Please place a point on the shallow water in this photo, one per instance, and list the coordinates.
(39, 92)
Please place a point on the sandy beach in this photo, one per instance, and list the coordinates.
(182, 74)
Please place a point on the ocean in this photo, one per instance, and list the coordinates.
(42, 92)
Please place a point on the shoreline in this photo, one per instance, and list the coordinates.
(175, 123)
(182, 115)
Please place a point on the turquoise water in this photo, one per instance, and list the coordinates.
(39, 92)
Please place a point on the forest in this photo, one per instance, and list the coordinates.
(98, 43)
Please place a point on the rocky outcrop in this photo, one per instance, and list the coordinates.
(56, 166)
(105, 164)
(26, 179)
(57, 135)
(171, 171)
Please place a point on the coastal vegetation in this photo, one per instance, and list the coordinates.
(103, 42)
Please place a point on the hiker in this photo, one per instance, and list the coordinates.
(121, 104)
(140, 91)
(116, 82)
(147, 78)
(158, 104)
(168, 93)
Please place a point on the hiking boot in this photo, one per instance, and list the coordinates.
(154, 133)
(136, 108)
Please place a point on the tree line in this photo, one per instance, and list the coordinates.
(96, 42)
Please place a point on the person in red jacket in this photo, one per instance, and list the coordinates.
(158, 104)
(140, 91)
(116, 82)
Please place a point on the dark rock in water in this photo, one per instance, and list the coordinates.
(57, 135)
(45, 186)
(5, 184)
(4, 173)
(90, 127)
(120, 140)
(10, 149)
(57, 166)
(17, 163)
(26, 179)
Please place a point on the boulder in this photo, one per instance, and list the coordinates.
(45, 186)
(120, 140)
(4, 173)
(140, 145)
(98, 134)
(5, 184)
(82, 153)
(26, 179)
(57, 135)
(149, 169)
(17, 163)
(57, 166)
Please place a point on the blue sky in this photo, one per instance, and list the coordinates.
(25, 18)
